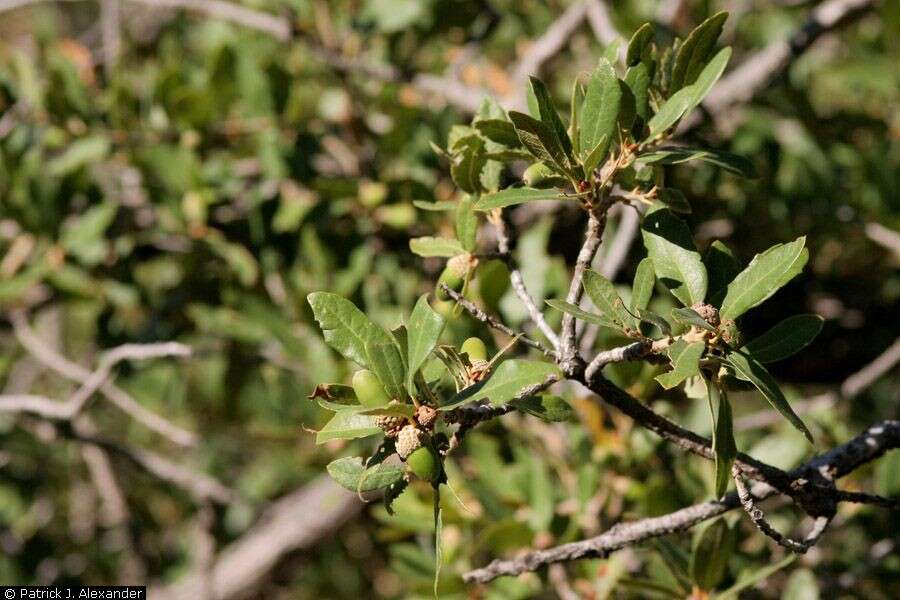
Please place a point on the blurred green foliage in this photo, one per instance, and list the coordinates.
(200, 188)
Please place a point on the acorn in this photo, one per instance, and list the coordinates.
(539, 175)
(369, 390)
(475, 349)
(390, 424)
(453, 275)
(408, 440)
(426, 416)
(709, 313)
(424, 463)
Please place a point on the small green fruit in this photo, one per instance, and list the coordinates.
(539, 175)
(453, 275)
(475, 348)
(369, 390)
(424, 463)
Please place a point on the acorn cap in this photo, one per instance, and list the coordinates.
(408, 440)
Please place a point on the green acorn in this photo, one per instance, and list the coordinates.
(475, 348)
(539, 175)
(453, 275)
(369, 390)
(424, 463)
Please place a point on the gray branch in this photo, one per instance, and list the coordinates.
(865, 447)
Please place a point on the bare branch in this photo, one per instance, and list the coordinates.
(759, 519)
(601, 23)
(592, 237)
(298, 521)
(552, 41)
(632, 351)
(494, 322)
(46, 355)
(863, 448)
(518, 283)
(277, 27)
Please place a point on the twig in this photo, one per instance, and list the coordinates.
(494, 322)
(518, 283)
(609, 263)
(632, 351)
(864, 498)
(759, 519)
(863, 448)
(70, 370)
(277, 27)
(601, 24)
(552, 41)
(592, 237)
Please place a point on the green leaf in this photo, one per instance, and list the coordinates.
(506, 382)
(641, 38)
(438, 539)
(345, 327)
(785, 339)
(654, 319)
(749, 369)
(595, 156)
(722, 266)
(434, 246)
(674, 200)
(604, 296)
(388, 365)
(575, 100)
(79, 154)
(745, 582)
(513, 196)
(693, 54)
(638, 79)
(575, 311)
(350, 473)
(599, 113)
(85, 237)
(685, 99)
(688, 316)
(467, 224)
(675, 259)
(549, 116)
(733, 163)
(685, 359)
(642, 288)
(708, 77)
(500, 131)
(711, 550)
(348, 425)
(546, 406)
(669, 113)
(466, 169)
(540, 139)
(765, 274)
(424, 329)
(723, 436)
